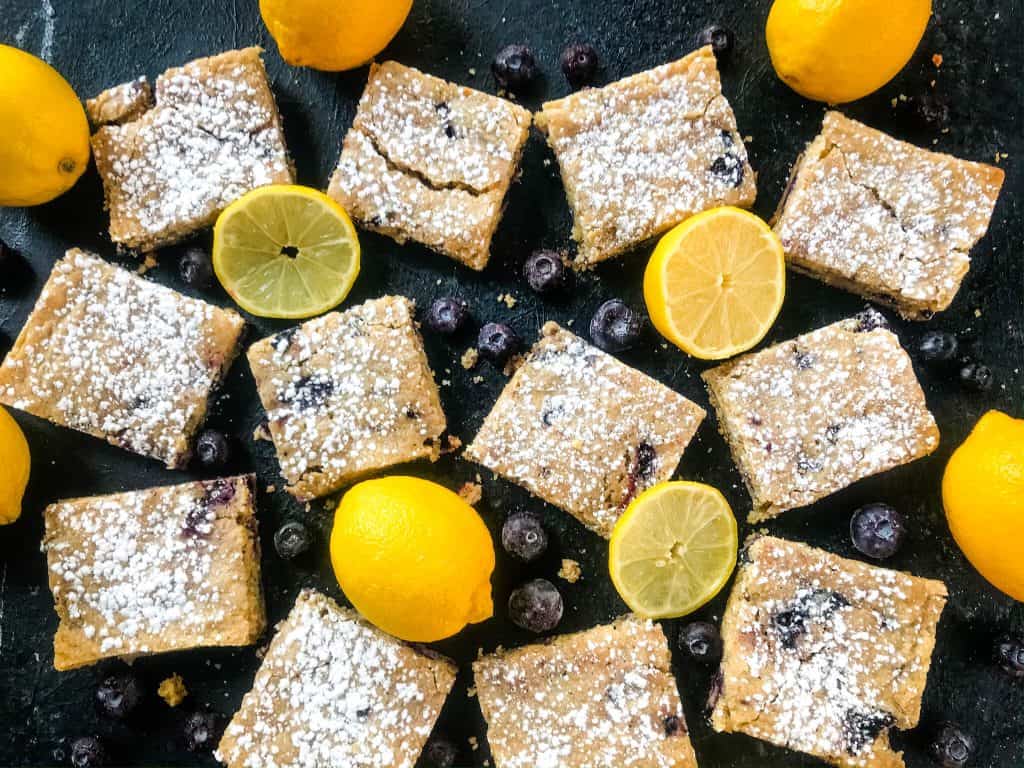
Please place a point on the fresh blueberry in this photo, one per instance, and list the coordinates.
(615, 326)
(524, 536)
(447, 315)
(440, 753)
(1010, 656)
(721, 39)
(119, 695)
(702, 642)
(546, 272)
(877, 530)
(579, 64)
(497, 343)
(952, 748)
(536, 606)
(202, 729)
(212, 448)
(196, 268)
(292, 539)
(976, 377)
(88, 752)
(937, 347)
(514, 67)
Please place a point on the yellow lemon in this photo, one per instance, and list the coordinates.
(413, 558)
(983, 493)
(841, 50)
(14, 468)
(333, 34)
(44, 134)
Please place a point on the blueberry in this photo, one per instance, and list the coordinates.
(546, 272)
(195, 268)
(514, 67)
(579, 64)
(447, 315)
(976, 377)
(728, 168)
(860, 729)
(952, 748)
(721, 39)
(877, 530)
(615, 326)
(87, 752)
(440, 753)
(119, 695)
(212, 448)
(201, 731)
(497, 343)
(869, 319)
(937, 347)
(1010, 656)
(790, 626)
(933, 109)
(536, 606)
(702, 642)
(524, 536)
(292, 539)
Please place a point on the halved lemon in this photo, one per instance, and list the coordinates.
(673, 549)
(716, 282)
(285, 251)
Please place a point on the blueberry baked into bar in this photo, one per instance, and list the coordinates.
(824, 655)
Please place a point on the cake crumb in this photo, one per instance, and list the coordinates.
(148, 262)
(471, 692)
(478, 379)
(470, 358)
(937, 59)
(507, 299)
(172, 690)
(977, 313)
(473, 743)
(570, 571)
(471, 493)
(262, 432)
(513, 364)
(271, 488)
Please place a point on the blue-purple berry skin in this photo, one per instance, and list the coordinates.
(524, 536)
(292, 539)
(536, 606)
(878, 531)
(546, 272)
(615, 326)
(497, 342)
(119, 695)
(937, 347)
(702, 642)
(951, 748)
(1009, 653)
(88, 752)
(976, 377)
(720, 38)
(196, 268)
(440, 753)
(212, 448)
(447, 315)
(579, 63)
(201, 731)
(514, 67)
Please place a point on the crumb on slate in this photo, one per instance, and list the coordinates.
(570, 571)
(471, 493)
(172, 690)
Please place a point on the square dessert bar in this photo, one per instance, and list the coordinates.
(601, 698)
(883, 218)
(641, 155)
(824, 655)
(810, 416)
(583, 431)
(348, 394)
(169, 169)
(430, 161)
(111, 354)
(335, 691)
(165, 569)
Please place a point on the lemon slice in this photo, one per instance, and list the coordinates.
(715, 283)
(673, 549)
(285, 251)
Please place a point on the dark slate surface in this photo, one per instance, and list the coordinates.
(97, 43)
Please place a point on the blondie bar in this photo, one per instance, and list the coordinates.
(111, 354)
(121, 104)
(595, 699)
(824, 655)
(213, 135)
(348, 394)
(163, 569)
(584, 431)
(883, 218)
(430, 161)
(811, 416)
(642, 154)
(335, 691)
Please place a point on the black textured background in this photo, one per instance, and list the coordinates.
(97, 43)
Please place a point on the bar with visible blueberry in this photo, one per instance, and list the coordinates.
(116, 356)
(645, 153)
(885, 219)
(163, 569)
(824, 655)
(810, 416)
(583, 431)
(335, 691)
(605, 697)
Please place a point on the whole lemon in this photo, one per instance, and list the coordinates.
(841, 50)
(333, 34)
(983, 493)
(44, 134)
(14, 468)
(413, 557)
